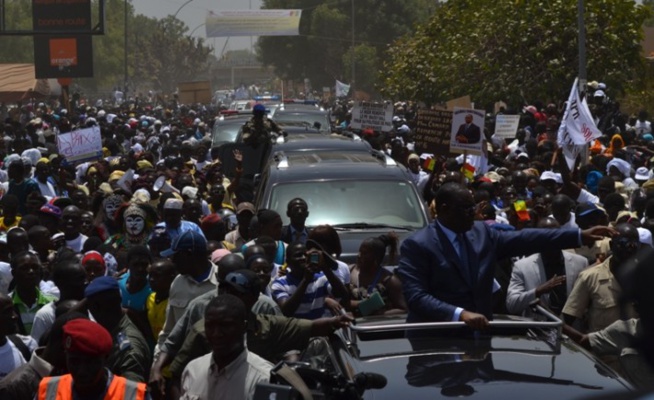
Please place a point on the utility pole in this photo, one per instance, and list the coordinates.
(582, 46)
(125, 49)
(352, 54)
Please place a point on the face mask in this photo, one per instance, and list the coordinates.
(110, 208)
(134, 225)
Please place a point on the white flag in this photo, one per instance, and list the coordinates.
(577, 128)
(342, 89)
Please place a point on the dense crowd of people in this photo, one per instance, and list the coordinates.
(138, 274)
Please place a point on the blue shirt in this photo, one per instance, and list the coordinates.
(183, 227)
(135, 301)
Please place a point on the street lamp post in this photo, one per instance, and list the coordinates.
(196, 28)
(180, 8)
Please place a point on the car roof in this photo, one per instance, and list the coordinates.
(299, 109)
(333, 165)
(319, 143)
(496, 366)
(233, 118)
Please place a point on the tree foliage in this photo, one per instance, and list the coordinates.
(325, 41)
(496, 50)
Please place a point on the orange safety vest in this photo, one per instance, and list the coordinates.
(61, 388)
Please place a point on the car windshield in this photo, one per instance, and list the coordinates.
(307, 118)
(353, 204)
(226, 131)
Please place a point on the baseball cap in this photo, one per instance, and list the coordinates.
(259, 108)
(101, 284)
(245, 206)
(189, 240)
(50, 209)
(243, 281)
(584, 209)
(552, 176)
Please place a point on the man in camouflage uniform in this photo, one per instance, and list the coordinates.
(259, 128)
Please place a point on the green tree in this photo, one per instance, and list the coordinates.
(17, 49)
(318, 53)
(649, 4)
(495, 50)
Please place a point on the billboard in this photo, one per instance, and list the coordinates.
(63, 55)
(253, 23)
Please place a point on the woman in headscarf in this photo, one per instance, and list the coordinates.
(617, 143)
(620, 171)
(94, 265)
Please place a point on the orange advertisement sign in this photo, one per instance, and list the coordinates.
(63, 52)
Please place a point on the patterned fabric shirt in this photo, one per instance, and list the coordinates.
(313, 301)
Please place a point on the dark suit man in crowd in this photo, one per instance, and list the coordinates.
(468, 132)
(447, 268)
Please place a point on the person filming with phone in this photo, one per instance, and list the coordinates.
(310, 281)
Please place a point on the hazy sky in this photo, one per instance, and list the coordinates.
(194, 15)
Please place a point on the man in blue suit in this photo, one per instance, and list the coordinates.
(447, 268)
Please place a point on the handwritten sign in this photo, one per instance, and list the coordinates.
(376, 116)
(432, 133)
(81, 145)
(506, 126)
(467, 130)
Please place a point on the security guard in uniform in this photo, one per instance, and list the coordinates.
(87, 345)
(259, 128)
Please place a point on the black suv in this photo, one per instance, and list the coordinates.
(516, 358)
(360, 193)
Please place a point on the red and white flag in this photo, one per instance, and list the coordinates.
(577, 128)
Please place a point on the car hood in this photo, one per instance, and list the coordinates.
(351, 240)
(511, 367)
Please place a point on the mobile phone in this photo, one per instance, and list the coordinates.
(314, 258)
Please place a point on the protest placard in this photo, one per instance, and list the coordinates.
(461, 102)
(81, 145)
(467, 134)
(376, 116)
(506, 126)
(432, 133)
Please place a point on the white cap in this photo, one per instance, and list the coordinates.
(173, 204)
(551, 175)
(190, 191)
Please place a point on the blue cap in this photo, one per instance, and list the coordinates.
(101, 284)
(243, 281)
(188, 240)
(259, 108)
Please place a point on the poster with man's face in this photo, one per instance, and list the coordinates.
(467, 133)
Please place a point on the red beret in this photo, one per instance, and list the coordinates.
(209, 221)
(87, 337)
